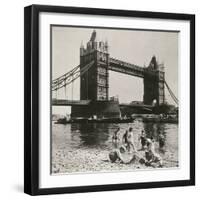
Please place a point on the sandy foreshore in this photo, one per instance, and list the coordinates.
(97, 160)
(77, 149)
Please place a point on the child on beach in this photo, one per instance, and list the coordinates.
(161, 140)
(124, 138)
(128, 140)
(143, 140)
(115, 138)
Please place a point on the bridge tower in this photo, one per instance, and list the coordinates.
(154, 83)
(94, 83)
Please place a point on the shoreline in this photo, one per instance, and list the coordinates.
(97, 160)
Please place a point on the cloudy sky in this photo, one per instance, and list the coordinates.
(134, 46)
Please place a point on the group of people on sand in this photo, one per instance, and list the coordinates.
(126, 144)
(127, 139)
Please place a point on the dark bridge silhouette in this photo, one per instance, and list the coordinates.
(93, 71)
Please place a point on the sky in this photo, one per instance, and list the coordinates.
(133, 46)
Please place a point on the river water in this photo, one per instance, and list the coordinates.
(91, 136)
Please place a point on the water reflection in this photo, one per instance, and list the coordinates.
(158, 133)
(100, 135)
(72, 136)
(92, 134)
(154, 130)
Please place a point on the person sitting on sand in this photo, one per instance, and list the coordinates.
(115, 138)
(116, 154)
(122, 155)
(143, 140)
(150, 154)
(152, 158)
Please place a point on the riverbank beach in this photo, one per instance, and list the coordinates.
(85, 148)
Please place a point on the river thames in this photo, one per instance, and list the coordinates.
(85, 147)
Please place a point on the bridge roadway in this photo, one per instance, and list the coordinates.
(64, 102)
(137, 106)
(130, 69)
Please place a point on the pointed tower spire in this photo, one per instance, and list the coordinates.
(93, 36)
(106, 45)
(82, 46)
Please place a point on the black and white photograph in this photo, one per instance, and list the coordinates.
(114, 99)
(109, 99)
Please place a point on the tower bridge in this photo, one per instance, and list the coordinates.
(93, 71)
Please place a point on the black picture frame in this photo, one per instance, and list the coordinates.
(31, 98)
